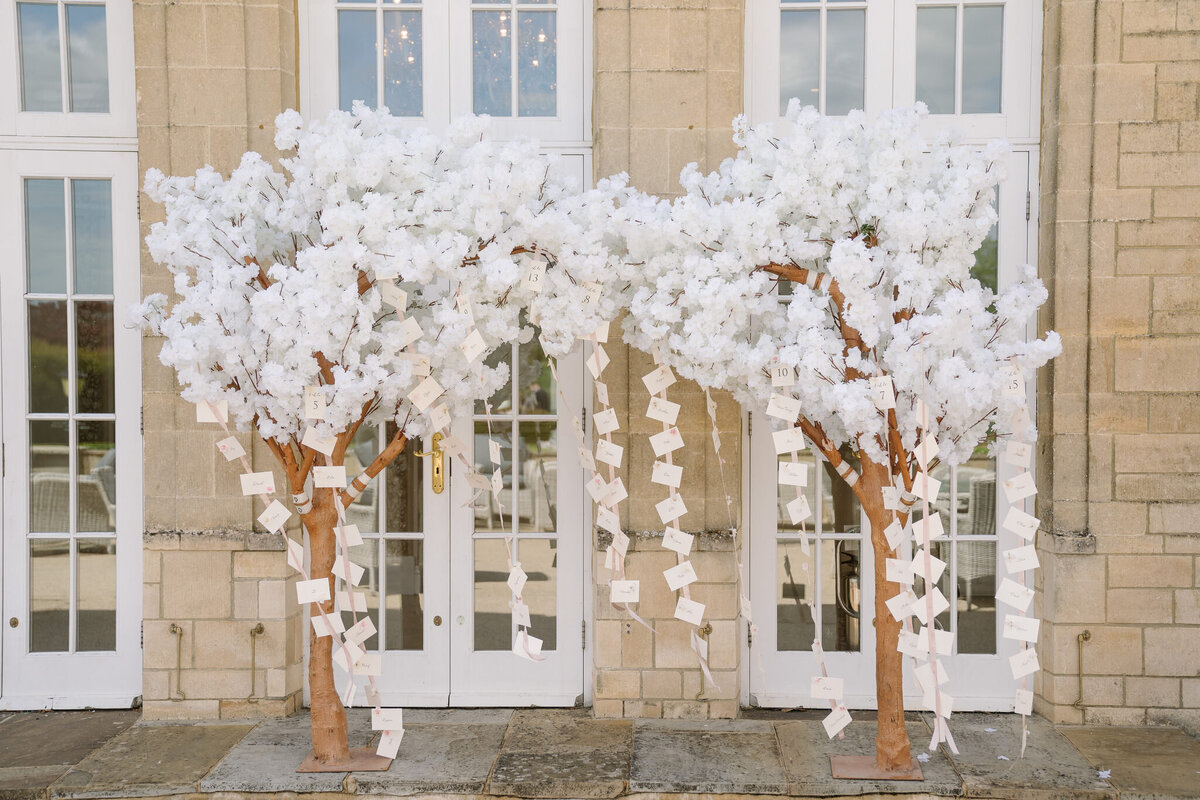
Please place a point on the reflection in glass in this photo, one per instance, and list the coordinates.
(786, 494)
(976, 596)
(489, 516)
(96, 594)
(405, 594)
(364, 510)
(840, 510)
(537, 466)
(841, 594)
(537, 64)
(983, 31)
(493, 611)
(799, 57)
(975, 504)
(501, 400)
(91, 220)
(793, 592)
(50, 477)
(492, 63)
(402, 65)
(45, 235)
(405, 486)
(539, 559)
(357, 70)
(936, 37)
(539, 395)
(96, 462)
(986, 260)
(49, 595)
(48, 356)
(846, 60)
(366, 555)
(41, 67)
(87, 48)
(94, 357)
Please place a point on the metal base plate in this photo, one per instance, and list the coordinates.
(864, 768)
(362, 759)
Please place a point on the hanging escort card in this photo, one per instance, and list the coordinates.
(784, 407)
(231, 448)
(321, 442)
(788, 440)
(257, 483)
(314, 403)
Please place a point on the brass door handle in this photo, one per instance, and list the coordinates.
(439, 470)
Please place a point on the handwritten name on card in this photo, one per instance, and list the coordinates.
(837, 720)
(666, 474)
(1022, 524)
(1014, 594)
(212, 412)
(788, 440)
(327, 624)
(517, 579)
(926, 451)
(257, 483)
(321, 442)
(1019, 487)
(928, 528)
(347, 571)
(680, 575)
(473, 346)
(605, 422)
(895, 534)
(900, 606)
(1020, 559)
(393, 295)
(360, 631)
(1023, 629)
(793, 473)
(275, 517)
(410, 331)
(352, 601)
(671, 509)
(891, 498)
(387, 719)
(609, 453)
(689, 611)
(614, 493)
(329, 477)
(231, 448)
(825, 688)
(520, 614)
(608, 520)
(1018, 454)
(624, 591)
(899, 570)
(389, 744)
(295, 555)
(1024, 702)
(920, 607)
(666, 442)
(936, 566)
(426, 392)
(1024, 663)
(662, 410)
(314, 591)
(677, 540)
(601, 392)
(783, 406)
(658, 380)
(798, 510)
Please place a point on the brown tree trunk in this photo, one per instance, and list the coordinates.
(891, 740)
(329, 738)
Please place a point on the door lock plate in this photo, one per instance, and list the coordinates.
(439, 469)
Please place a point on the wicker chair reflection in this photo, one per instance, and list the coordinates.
(50, 504)
(977, 560)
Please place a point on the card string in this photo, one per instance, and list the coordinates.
(1024, 646)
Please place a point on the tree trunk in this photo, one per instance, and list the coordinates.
(891, 740)
(329, 738)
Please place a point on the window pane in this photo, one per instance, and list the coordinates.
(357, 70)
(96, 594)
(402, 75)
(94, 357)
(49, 595)
(48, 356)
(983, 29)
(364, 510)
(976, 597)
(405, 594)
(846, 60)
(501, 401)
(50, 477)
(799, 57)
(46, 236)
(787, 494)
(537, 65)
(87, 46)
(841, 595)
(405, 490)
(366, 555)
(539, 559)
(488, 516)
(41, 65)
(794, 591)
(492, 63)
(537, 466)
(539, 395)
(985, 269)
(493, 612)
(96, 460)
(976, 486)
(938, 549)
(91, 217)
(936, 36)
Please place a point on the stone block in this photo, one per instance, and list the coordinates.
(207, 684)
(618, 684)
(1191, 692)
(649, 39)
(245, 599)
(1113, 651)
(606, 648)
(689, 39)
(1074, 588)
(661, 684)
(1160, 169)
(1150, 571)
(643, 709)
(1114, 716)
(1140, 605)
(723, 644)
(1172, 651)
(1149, 137)
(684, 709)
(1121, 204)
(612, 29)
(1175, 518)
(1149, 47)
(196, 585)
(1124, 92)
(181, 709)
(1175, 413)
(274, 598)
(672, 645)
(1187, 606)
(667, 99)
(1107, 690)
(1157, 261)
(637, 646)
(1149, 16)
(608, 709)
(226, 34)
(151, 601)
(1147, 364)
(1115, 413)
(261, 564)
(1176, 101)
(1159, 692)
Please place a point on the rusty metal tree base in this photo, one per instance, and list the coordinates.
(864, 768)
(362, 759)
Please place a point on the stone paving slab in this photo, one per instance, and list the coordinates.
(443, 752)
(37, 748)
(805, 751)
(563, 753)
(732, 757)
(1146, 763)
(1052, 768)
(151, 759)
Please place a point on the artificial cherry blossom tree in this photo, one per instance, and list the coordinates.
(887, 341)
(367, 280)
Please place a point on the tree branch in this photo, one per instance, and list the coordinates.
(394, 448)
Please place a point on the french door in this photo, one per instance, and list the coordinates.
(824, 591)
(435, 557)
(71, 514)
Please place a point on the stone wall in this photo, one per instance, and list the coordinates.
(668, 85)
(211, 77)
(1120, 471)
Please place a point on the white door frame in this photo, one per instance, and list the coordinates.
(89, 679)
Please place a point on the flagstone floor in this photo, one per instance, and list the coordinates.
(534, 753)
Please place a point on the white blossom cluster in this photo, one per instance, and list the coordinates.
(278, 274)
(895, 220)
